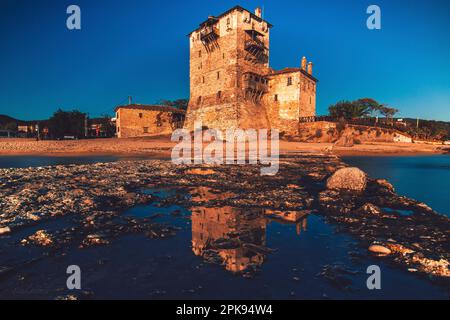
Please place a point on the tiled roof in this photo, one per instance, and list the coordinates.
(151, 108)
(285, 70)
(292, 70)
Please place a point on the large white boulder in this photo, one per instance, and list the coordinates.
(352, 179)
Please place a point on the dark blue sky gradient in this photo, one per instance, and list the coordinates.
(140, 48)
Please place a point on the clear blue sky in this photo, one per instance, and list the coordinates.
(140, 48)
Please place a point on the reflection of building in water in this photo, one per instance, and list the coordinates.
(239, 232)
(300, 218)
(236, 237)
(301, 225)
(203, 194)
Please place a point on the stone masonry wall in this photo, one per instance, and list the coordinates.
(287, 101)
(327, 132)
(132, 122)
(216, 72)
(223, 90)
(307, 97)
(282, 101)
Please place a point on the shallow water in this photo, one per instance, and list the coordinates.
(278, 260)
(424, 178)
(43, 161)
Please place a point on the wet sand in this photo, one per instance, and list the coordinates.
(160, 147)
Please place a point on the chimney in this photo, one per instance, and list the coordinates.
(310, 67)
(258, 12)
(304, 63)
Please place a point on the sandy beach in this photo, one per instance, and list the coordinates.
(161, 146)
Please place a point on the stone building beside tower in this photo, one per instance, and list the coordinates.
(232, 84)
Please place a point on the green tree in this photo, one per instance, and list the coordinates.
(371, 105)
(348, 110)
(107, 125)
(67, 123)
(388, 112)
(181, 104)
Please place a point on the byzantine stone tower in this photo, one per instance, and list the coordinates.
(231, 83)
(229, 57)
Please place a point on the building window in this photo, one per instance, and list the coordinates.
(275, 97)
(117, 115)
(223, 55)
(203, 79)
(218, 75)
(200, 54)
(289, 81)
(118, 129)
(145, 129)
(199, 100)
(140, 115)
(310, 100)
(219, 95)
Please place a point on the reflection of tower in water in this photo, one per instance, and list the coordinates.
(235, 235)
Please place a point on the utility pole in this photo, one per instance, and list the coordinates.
(85, 126)
(37, 132)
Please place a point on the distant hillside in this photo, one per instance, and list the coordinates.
(4, 119)
(421, 121)
(429, 129)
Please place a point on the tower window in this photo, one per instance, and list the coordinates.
(218, 75)
(140, 115)
(200, 53)
(275, 97)
(145, 129)
(289, 81)
(219, 95)
(199, 100)
(203, 79)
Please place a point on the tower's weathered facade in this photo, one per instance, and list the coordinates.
(231, 83)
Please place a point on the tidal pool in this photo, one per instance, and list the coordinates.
(217, 253)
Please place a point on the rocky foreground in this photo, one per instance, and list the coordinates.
(390, 226)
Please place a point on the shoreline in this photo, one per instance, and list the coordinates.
(160, 148)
